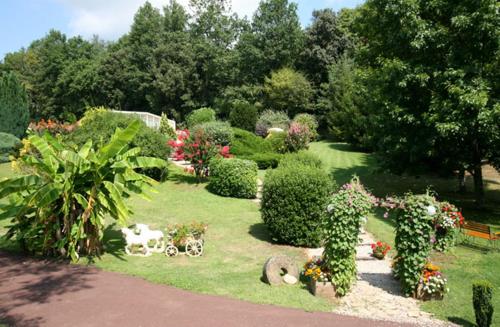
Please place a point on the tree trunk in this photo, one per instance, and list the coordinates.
(478, 183)
(461, 181)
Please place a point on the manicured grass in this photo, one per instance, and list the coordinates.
(461, 265)
(237, 245)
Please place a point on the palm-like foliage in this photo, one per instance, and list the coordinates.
(59, 208)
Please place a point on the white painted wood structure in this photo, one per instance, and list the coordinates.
(151, 120)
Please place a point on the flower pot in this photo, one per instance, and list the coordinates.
(378, 255)
(322, 289)
(424, 296)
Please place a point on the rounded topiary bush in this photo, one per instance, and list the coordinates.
(243, 115)
(200, 116)
(294, 201)
(233, 177)
(301, 158)
(217, 132)
(8, 143)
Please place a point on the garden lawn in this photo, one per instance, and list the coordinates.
(462, 265)
(237, 245)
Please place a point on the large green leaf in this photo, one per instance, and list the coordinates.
(119, 141)
(17, 184)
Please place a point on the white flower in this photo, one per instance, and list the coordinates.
(329, 208)
(431, 210)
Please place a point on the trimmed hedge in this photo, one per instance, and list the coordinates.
(276, 141)
(243, 115)
(246, 143)
(233, 177)
(264, 160)
(482, 295)
(217, 132)
(294, 201)
(200, 116)
(8, 143)
(301, 158)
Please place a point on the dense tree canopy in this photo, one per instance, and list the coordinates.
(436, 77)
(414, 80)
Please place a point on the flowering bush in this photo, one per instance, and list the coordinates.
(198, 151)
(432, 282)
(380, 249)
(51, 126)
(316, 269)
(447, 222)
(347, 210)
(298, 137)
(178, 144)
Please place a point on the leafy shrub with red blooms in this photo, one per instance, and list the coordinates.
(198, 151)
(380, 249)
(178, 144)
(52, 126)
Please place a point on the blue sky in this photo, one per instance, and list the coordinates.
(22, 21)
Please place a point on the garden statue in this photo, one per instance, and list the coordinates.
(152, 235)
(132, 240)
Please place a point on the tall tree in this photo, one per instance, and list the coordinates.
(14, 113)
(275, 40)
(325, 42)
(176, 80)
(436, 72)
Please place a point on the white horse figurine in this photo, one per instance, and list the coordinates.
(152, 235)
(133, 239)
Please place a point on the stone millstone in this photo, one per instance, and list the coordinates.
(275, 266)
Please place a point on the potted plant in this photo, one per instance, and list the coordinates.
(380, 249)
(432, 284)
(318, 278)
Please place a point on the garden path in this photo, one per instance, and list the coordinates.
(376, 293)
(45, 293)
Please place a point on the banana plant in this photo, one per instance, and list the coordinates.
(59, 208)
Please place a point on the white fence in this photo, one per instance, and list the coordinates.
(151, 120)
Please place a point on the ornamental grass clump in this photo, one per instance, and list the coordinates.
(345, 212)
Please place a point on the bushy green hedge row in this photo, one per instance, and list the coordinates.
(217, 132)
(8, 143)
(200, 116)
(294, 201)
(233, 177)
(301, 158)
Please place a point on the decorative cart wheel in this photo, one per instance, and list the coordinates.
(194, 248)
(171, 251)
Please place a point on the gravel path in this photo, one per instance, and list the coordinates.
(376, 293)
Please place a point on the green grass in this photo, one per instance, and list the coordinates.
(237, 245)
(463, 264)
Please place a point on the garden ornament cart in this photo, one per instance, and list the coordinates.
(192, 246)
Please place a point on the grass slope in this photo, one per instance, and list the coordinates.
(463, 264)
